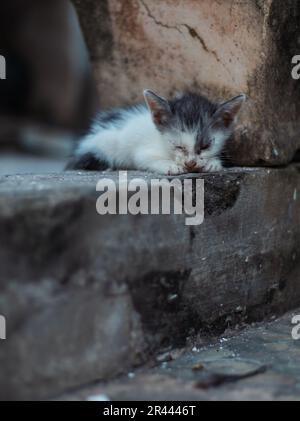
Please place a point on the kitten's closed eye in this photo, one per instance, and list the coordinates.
(205, 147)
(202, 147)
(181, 149)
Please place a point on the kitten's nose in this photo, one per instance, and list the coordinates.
(190, 165)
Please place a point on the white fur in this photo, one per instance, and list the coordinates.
(135, 143)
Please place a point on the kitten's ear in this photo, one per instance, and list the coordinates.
(159, 107)
(228, 111)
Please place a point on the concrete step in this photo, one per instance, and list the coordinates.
(266, 354)
(87, 297)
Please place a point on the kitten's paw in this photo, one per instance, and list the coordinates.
(167, 168)
(175, 169)
(213, 165)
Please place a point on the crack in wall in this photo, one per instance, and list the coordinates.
(158, 22)
(192, 32)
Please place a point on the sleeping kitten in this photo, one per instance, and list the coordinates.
(183, 135)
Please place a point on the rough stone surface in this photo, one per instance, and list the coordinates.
(87, 297)
(14, 163)
(269, 345)
(220, 48)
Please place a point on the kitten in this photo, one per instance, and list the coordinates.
(186, 134)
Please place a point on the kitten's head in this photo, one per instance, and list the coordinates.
(195, 128)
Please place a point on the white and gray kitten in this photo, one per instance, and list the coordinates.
(186, 134)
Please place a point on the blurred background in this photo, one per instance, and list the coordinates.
(49, 95)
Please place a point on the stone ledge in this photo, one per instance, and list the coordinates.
(88, 297)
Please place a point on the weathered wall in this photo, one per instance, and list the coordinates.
(220, 48)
